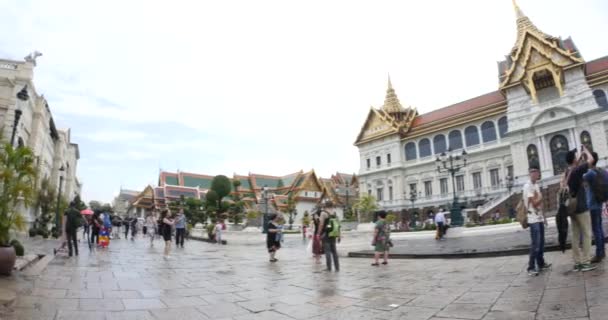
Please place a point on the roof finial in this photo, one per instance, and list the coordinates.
(390, 85)
(518, 13)
(391, 102)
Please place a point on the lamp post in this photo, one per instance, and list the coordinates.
(265, 220)
(509, 183)
(450, 163)
(23, 96)
(57, 216)
(413, 197)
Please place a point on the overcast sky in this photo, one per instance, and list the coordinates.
(272, 87)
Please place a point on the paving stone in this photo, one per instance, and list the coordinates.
(79, 315)
(129, 315)
(522, 304)
(479, 297)
(464, 311)
(561, 310)
(564, 294)
(412, 313)
(178, 302)
(178, 314)
(510, 315)
(109, 304)
(127, 294)
(223, 310)
(143, 304)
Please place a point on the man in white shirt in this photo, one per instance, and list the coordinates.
(440, 223)
(533, 200)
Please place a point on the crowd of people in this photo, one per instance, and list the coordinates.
(583, 194)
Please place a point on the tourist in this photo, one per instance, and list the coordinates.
(581, 219)
(440, 224)
(381, 241)
(86, 230)
(126, 223)
(134, 225)
(595, 207)
(180, 228)
(317, 249)
(536, 221)
(150, 225)
(95, 226)
(328, 236)
(271, 237)
(217, 231)
(166, 230)
(72, 217)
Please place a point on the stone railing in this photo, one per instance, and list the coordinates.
(6, 65)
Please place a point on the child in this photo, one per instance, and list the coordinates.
(218, 232)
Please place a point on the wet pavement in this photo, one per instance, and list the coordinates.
(130, 280)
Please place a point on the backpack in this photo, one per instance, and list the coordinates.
(522, 213)
(333, 228)
(72, 220)
(599, 186)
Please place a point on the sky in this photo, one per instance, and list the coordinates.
(268, 87)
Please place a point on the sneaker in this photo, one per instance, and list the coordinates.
(577, 267)
(587, 267)
(546, 266)
(532, 273)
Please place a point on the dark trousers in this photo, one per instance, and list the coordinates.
(95, 236)
(537, 247)
(71, 237)
(329, 245)
(440, 229)
(179, 236)
(127, 231)
(598, 232)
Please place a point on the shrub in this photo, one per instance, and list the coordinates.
(19, 250)
(41, 231)
(55, 234)
(33, 232)
(430, 227)
(390, 218)
(45, 234)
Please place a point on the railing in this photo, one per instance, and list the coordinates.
(10, 66)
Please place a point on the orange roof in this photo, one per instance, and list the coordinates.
(597, 65)
(459, 108)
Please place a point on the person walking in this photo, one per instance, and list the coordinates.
(382, 240)
(72, 216)
(271, 237)
(533, 200)
(317, 248)
(166, 230)
(126, 223)
(151, 227)
(440, 224)
(86, 228)
(134, 225)
(96, 224)
(581, 219)
(217, 231)
(328, 223)
(180, 228)
(595, 178)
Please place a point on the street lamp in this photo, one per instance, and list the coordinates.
(57, 216)
(265, 220)
(293, 213)
(413, 197)
(23, 96)
(509, 183)
(449, 163)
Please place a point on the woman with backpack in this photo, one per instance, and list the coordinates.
(166, 229)
(382, 241)
(273, 242)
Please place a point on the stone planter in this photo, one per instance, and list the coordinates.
(7, 260)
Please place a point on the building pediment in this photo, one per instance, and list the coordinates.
(551, 115)
(376, 125)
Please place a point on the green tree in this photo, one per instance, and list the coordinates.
(211, 204)
(95, 205)
(106, 207)
(366, 205)
(222, 187)
(193, 210)
(44, 204)
(18, 175)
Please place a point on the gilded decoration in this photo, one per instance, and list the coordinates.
(392, 118)
(535, 51)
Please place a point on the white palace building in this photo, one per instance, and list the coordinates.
(549, 100)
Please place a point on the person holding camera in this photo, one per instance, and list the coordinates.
(382, 239)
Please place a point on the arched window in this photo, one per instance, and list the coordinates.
(533, 157)
(600, 98)
(586, 140)
(424, 148)
(455, 138)
(410, 151)
(471, 136)
(488, 131)
(439, 143)
(503, 127)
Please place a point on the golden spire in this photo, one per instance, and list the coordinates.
(524, 24)
(518, 12)
(391, 102)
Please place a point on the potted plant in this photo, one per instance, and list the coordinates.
(17, 180)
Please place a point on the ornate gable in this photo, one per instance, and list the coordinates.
(391, 119)
(536, 55)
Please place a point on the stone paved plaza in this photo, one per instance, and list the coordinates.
(205, 281)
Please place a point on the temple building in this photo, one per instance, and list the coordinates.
(26, 120)
(306, 189)
(549, 100)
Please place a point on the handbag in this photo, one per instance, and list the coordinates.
(568, 200)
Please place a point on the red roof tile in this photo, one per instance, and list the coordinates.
(459, 108)
(597, 65)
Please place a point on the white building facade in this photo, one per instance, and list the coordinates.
(56, 156)
(549, 101)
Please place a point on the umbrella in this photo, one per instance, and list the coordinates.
(86, 212)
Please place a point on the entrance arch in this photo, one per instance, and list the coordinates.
(559, 149)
